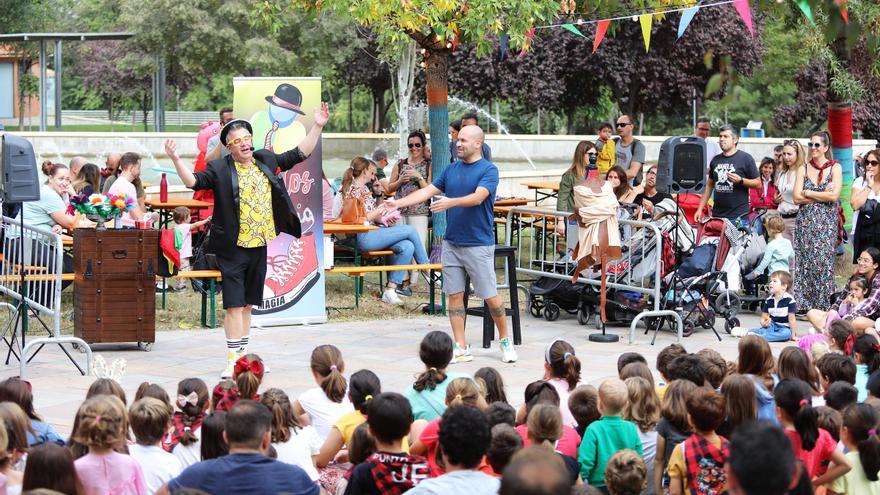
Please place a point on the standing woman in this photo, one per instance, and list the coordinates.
(864, 200)
(792, 161)
(408, 176)
(577, 172)
(764, 196)
(816, 190)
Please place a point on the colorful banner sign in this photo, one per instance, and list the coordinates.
(294, 288)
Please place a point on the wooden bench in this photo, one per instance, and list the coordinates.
(358, 272)
(213, 276)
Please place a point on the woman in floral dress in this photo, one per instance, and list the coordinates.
(816, 190)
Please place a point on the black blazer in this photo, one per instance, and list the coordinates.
(222, 178)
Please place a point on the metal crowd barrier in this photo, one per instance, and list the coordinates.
(30, 276)
(637, 271)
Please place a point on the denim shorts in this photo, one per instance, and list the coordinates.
(478, 262)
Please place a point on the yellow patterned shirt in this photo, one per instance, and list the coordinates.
(256, 225)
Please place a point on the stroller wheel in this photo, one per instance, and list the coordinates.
(535, 307)
(583, 315)
(730, 323)
(728, 304)
(551, 312)
(688, 328)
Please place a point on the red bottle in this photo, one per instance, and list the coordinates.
(163, 190)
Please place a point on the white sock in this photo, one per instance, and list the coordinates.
(232, 345)
(245, 340)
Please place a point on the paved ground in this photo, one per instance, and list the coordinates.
(389, 348)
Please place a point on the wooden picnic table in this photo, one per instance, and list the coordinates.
(513, 202)
(541, 187)
(347, 228)
(165, 208)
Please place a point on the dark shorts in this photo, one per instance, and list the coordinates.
(244, 273)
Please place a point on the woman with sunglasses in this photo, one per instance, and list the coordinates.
(864, 200)
(408, 176)
(584, 153)
(792, 160)
(816, 190)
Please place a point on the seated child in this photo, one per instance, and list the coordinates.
(779, 250)
(778, 311)
(149, 419)
(857, 293)
(697, 464)
(609, 434)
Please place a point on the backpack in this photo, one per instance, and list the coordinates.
(704, 465)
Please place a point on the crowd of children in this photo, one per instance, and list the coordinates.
(804, 420)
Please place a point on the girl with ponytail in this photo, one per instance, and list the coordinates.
(562, 369)
(866, 353)
(326, 403)
(427, 396)
(363, 386)
(294, 443)
(184, 437)
(811, 445)
(859, 434)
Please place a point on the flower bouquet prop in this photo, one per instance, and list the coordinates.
(100, 208)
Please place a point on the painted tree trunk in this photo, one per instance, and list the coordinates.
(437, 86)
(841, 129)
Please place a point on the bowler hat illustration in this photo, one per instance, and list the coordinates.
(287, 96)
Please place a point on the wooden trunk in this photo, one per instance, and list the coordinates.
(115, 285)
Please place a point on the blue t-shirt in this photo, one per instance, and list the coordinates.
(430, 404)
(37, 213)
(245, 473)
(472, 226)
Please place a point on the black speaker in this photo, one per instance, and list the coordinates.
(682, 165)
(18, 170)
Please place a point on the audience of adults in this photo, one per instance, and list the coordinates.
(817, 189)
(866, 209)
(864, 315)
(408, 176)
(402, 239)
(792, 160)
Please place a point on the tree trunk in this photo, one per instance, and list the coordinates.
(840, 126)
(437, 89)
(405, 82)
(350, 115)
(145, 109)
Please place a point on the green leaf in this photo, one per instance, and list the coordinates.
(714, 85)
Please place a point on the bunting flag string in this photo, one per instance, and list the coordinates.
(745, 11)
(632, 15)
(601, 28)
(646, 20)
(687, 15)
(528, 43)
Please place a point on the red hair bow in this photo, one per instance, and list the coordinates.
(242, 365)
(848, 345)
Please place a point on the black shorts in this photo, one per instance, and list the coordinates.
(244, 273)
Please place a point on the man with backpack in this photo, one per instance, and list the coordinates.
(629, 152)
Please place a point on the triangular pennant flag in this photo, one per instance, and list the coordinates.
(745, 11)
(646, 20)
(528, 43)
(601, 27)
(455, 40)
(807, 10)
(570, 27)
(843, 13)
(503, 48)
(687, 15)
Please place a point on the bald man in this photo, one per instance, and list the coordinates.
(76, 163)
(111, 167)
(469, 246)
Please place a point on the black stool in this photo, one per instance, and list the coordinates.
(507, 252)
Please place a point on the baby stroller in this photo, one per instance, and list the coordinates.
(550, 296)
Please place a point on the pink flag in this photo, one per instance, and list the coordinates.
(742, 6)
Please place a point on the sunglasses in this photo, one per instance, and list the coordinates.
(623, 124)
(815, 145)
(237, 141)
(790, 142)
(413, 145)
(871, 163)
(592, 152)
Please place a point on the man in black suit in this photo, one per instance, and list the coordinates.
(244, 222)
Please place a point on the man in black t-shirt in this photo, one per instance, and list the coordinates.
(651, 196)
(731, 175)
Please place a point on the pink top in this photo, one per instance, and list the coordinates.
(816, 460)
(567, 445)
(561, 386)
(327, 200)
(110, 474)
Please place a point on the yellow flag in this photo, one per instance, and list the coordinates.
(646, 20)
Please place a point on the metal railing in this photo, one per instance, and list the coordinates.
(637, 271)
(30, 276)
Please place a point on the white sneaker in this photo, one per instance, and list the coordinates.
(508, 354)
(739, 331)
(390, 296)
(230, 365)
(460, 355)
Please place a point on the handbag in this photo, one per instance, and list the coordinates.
(353, 211)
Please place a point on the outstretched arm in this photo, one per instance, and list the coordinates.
(322, 115)
(186, 175)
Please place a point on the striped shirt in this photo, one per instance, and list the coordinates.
(778, 309)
